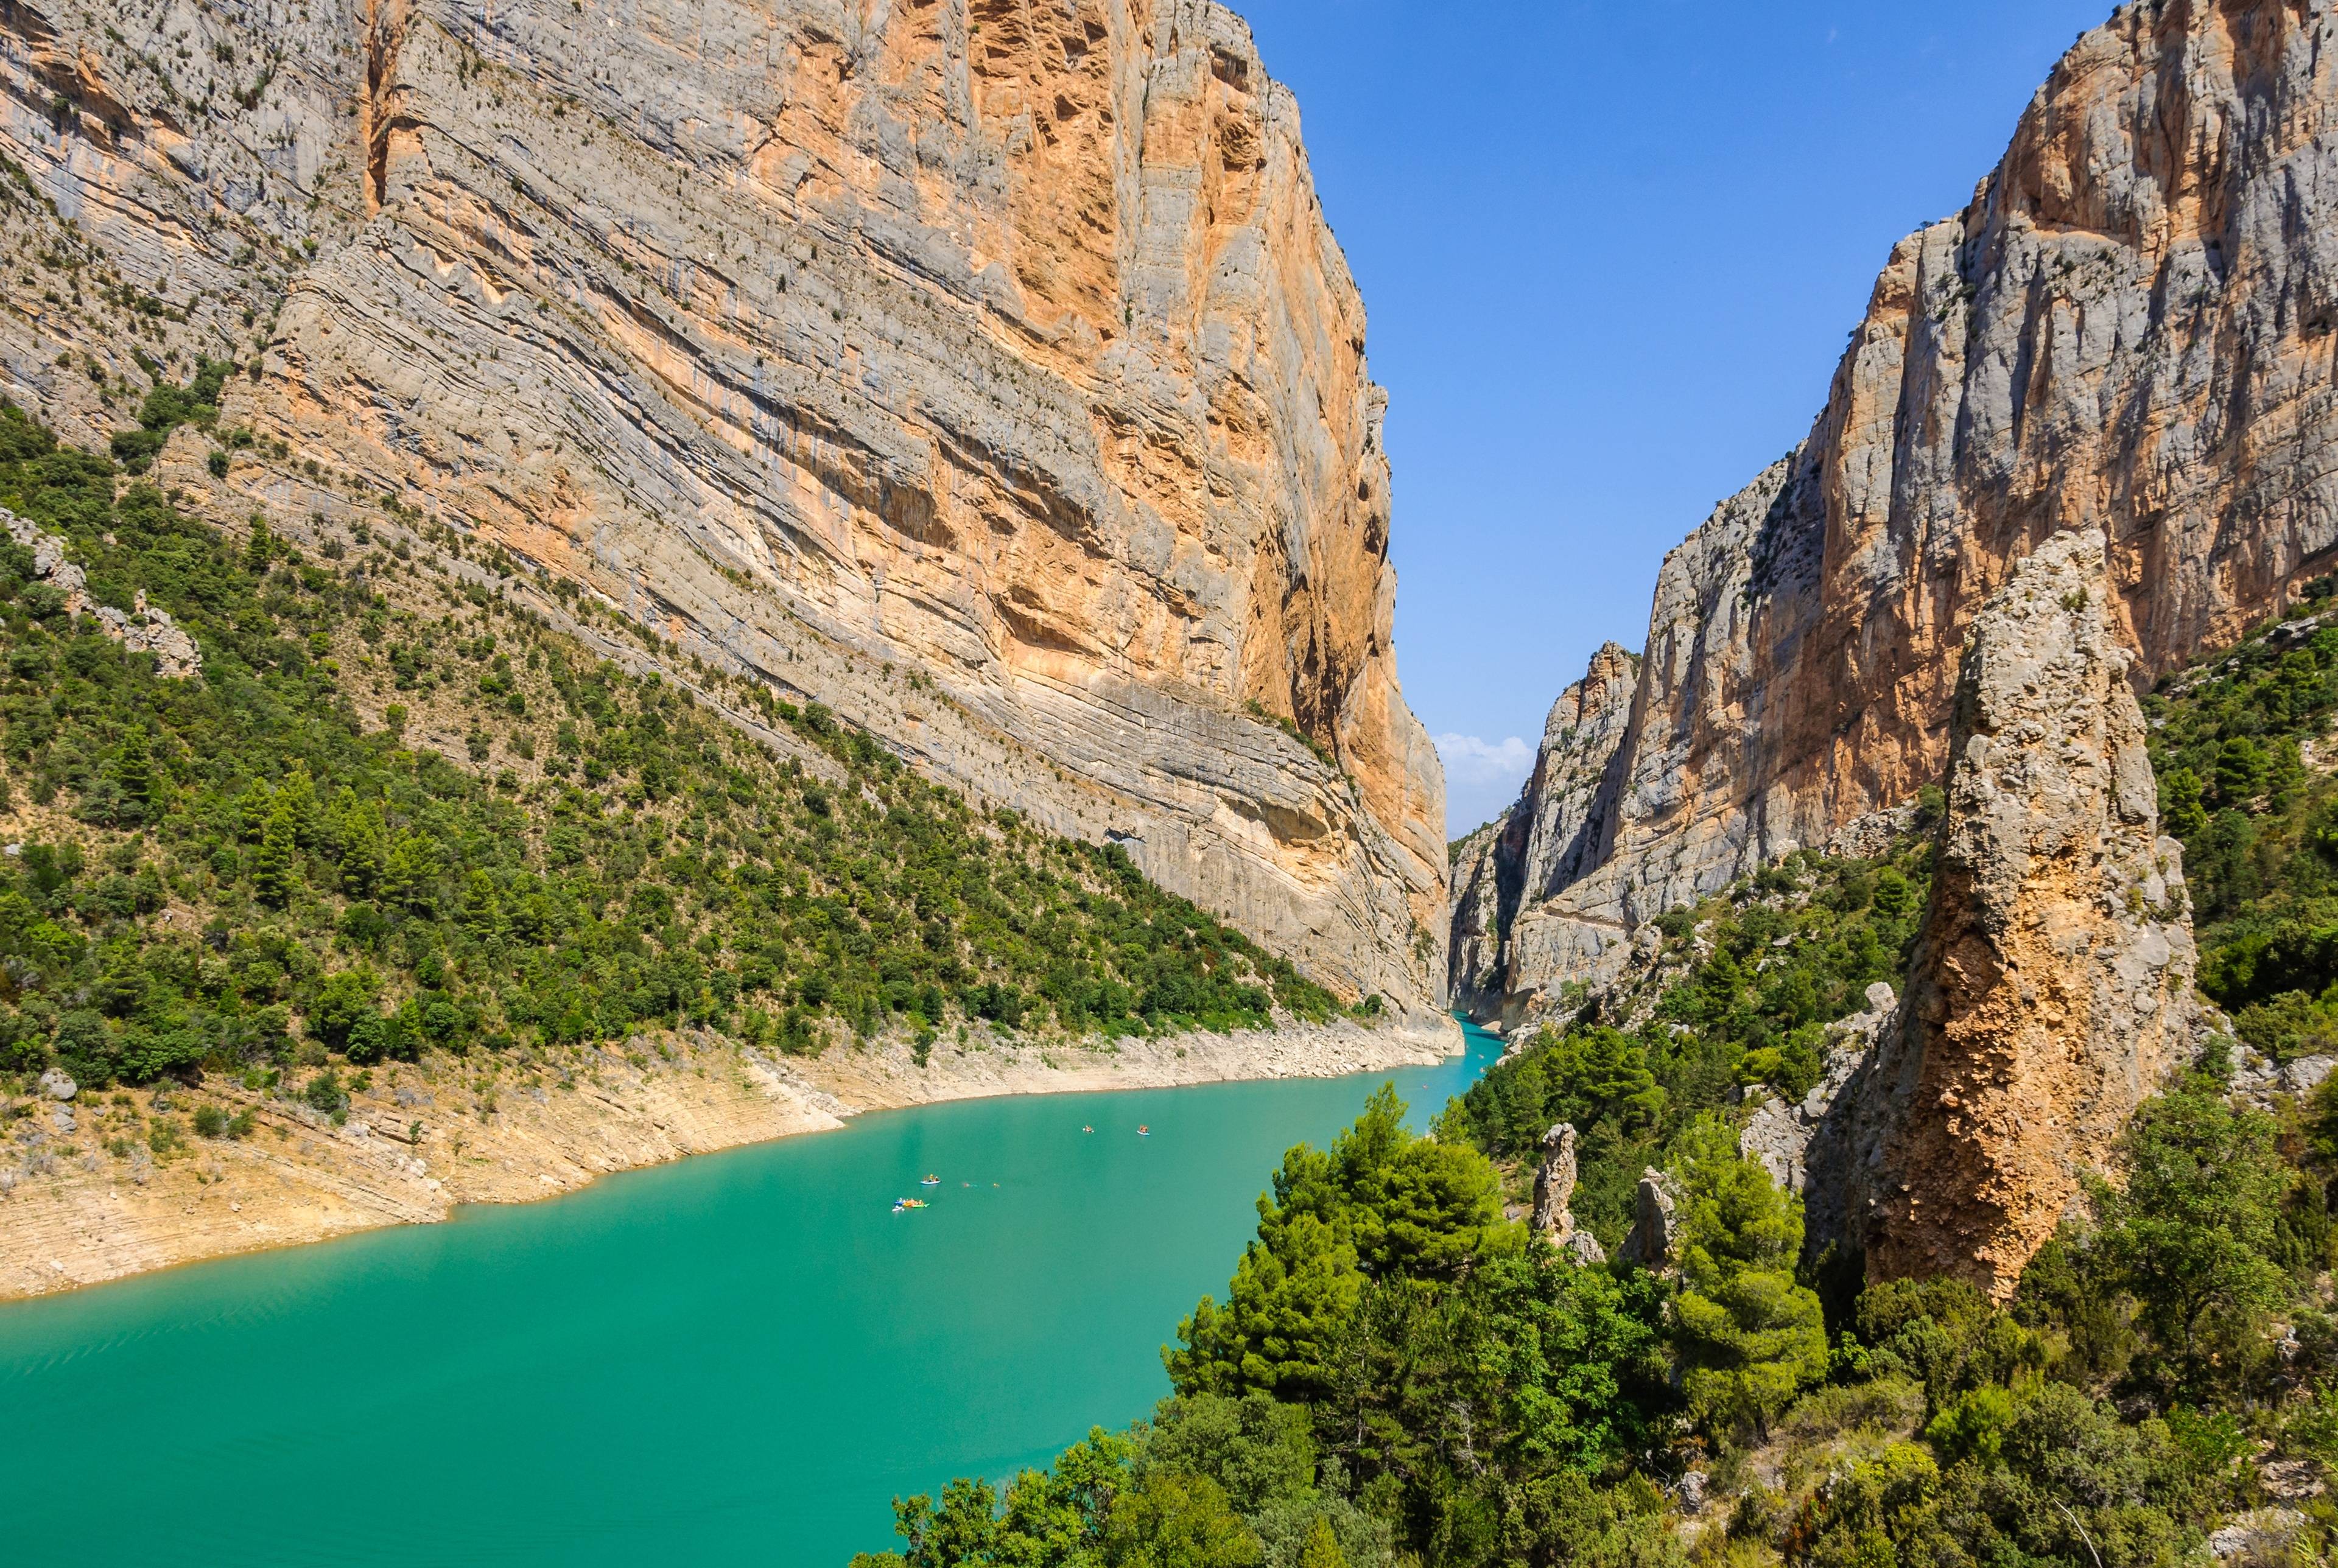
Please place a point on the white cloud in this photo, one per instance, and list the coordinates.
(1483, 764)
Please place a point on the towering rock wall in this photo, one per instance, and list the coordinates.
(1504, 874)
(2051, 987)
(985, 368)
(2129, 329)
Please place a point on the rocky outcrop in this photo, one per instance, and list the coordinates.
(2051, 988)
(1778, 1131)
(1653, 1238)
(142, 628)
(2129, 331)
(1553, 1221)
(985, 372)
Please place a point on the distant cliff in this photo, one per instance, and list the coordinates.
(987, 372)
(2129, 330)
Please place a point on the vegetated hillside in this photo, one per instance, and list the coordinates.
(1416, 1381)
(395, 811)
(2244, 753)
(1740, 993)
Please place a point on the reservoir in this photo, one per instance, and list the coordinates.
(739, 1357)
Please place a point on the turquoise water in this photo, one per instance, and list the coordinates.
(741, 1357)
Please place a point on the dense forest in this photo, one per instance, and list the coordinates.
(1398, 1375)
(269, 861)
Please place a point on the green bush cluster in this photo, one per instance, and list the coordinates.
(248, 861)
(1438, 1390)
(1446, 1391)
(168, 405)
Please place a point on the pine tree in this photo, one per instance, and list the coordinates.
(134, 769)
(273, 871)
(1321, 1548)
(1747, 1336)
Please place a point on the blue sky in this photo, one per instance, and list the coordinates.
(1611, 253)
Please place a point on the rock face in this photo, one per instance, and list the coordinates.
(984, 370)
(1779, 1132)
(2051, 988)
(1650, 1244)
(2128, 331)
(1504, 874)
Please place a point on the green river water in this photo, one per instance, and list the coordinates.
(739, 1358)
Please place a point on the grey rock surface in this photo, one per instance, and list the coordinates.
(1553, 1220)
(1652, 1240)
(2119, 334)
(1505, 874)
(1779, 1132)
(141, 628)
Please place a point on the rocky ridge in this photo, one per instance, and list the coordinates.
(2127, 331)
(989, 376)
(142, 628)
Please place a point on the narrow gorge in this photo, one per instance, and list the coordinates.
(585, 586)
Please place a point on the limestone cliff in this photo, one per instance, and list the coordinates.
(2051, 988)
(985, 370)
(2129, 330)
(1504, 874)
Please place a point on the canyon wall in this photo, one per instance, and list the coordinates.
(983, 368)
(2129, 330)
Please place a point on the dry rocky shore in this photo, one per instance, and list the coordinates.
(103, 1185)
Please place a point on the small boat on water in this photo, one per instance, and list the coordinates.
(931, 1182)
(910, 1203)
(1143, 1132)
(1087, 1129)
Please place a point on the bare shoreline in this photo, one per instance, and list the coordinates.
(87, 1201)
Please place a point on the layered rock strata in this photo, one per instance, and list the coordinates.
(2051, 987)
(2128, 330)
(987, 372)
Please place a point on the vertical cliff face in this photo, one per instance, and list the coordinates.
(1504, 874)
(2129, 330)
(984, 369)
(2051, 988)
